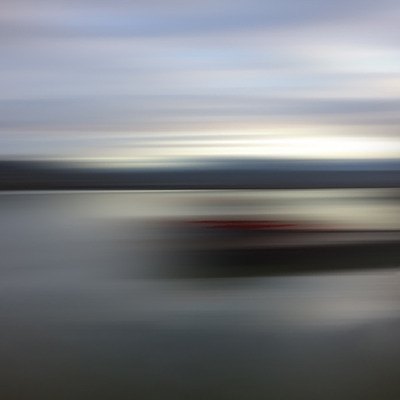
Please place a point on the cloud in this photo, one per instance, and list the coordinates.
(162, 66)
(170, 17)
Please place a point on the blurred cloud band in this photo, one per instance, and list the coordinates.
(71, 72)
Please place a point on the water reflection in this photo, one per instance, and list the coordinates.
(87, 311)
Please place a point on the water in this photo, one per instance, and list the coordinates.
(90, 307)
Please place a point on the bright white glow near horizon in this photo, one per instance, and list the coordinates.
(302, 148)
(161, 81)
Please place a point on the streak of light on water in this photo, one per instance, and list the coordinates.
(81, 317)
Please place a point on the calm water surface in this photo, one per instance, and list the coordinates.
(90, 310)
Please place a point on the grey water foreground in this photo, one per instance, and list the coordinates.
(100, 300)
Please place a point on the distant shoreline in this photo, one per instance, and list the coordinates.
(226, 175)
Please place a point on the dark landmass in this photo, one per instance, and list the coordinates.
(220, 174)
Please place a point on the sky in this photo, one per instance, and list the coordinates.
(171, 79)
